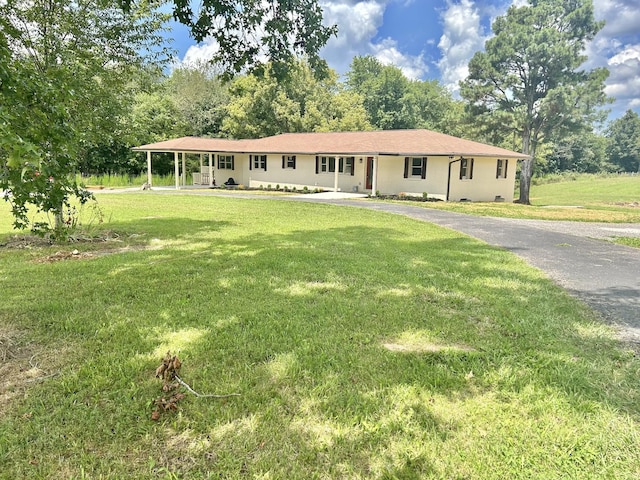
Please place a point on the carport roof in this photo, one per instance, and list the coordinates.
(384, 142)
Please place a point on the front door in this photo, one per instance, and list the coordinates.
(369, 182)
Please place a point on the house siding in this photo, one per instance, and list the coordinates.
(483, 186)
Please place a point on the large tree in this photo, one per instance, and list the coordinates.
(395, 102)
(529, 80)
(67, 67)
(263, 105)
(624, 142)
(254, 33)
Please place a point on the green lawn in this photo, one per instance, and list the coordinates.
(364, 345)
(587, 199)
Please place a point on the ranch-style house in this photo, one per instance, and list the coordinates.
(411, 162)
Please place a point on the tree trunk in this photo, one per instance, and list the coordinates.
(526, 172)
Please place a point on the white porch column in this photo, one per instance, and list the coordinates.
(335, 175)
(149, 168)
(176, 170)
(201, 156)
(374, 174)
(184, 173)
(210, 169)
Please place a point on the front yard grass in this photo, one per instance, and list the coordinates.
(364, 345)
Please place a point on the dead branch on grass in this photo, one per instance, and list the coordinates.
(168, 371)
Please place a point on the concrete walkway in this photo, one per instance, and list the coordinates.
(604, 275)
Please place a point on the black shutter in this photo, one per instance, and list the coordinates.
(265, 162)
(424, 167)
(233, 160)
(406, 167)
(353, 166)
(506, 165)
(462, 160)
(294, 162)
(317, 161)
(250, 162)
(498, 168)
(283, 161)
(471, 171)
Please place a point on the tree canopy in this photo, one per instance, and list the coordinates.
(529, 78)
(65, 67)
(624, 142)
(252, 33)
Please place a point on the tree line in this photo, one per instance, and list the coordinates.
(81, 82)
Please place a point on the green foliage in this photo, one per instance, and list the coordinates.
(200, 98)
(528, 80)
(394, 102)
(68, 69)
(624, 142)
(248, 31)
(583, 153)
(264, 105)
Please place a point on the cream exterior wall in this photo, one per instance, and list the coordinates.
(390, 177)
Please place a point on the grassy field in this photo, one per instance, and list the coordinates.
(363, 345)
(587, 199)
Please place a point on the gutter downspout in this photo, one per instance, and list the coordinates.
(449, 175)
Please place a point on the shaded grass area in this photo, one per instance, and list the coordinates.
(494, 371)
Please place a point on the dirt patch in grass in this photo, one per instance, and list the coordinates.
(628, 204)
(23, 364)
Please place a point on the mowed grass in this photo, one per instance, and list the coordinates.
(363, 345)
(586, 199)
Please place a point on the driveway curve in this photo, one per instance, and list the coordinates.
(575, 255)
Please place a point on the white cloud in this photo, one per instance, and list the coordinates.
(462, 36)
(387, 52)
(624, 80)
(358, 23)
(616, 47)
(198, 54)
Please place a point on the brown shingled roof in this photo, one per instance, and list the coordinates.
(384, 142)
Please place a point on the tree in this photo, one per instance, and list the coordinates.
(528, 79)
(392, 101)
(67, 67)
(265, 105)
(624, 142)
(248, 31)
(583, 152)
(201, 97)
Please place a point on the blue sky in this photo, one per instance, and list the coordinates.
(434, 39)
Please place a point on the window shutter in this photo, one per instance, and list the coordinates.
(265, 162)
(317, 162)
(406, 167)
(353, 166)
(294, 162)
(424, 167)
(506, 165)
(250, 162)
(462, 160)
(233, 159)
(283, 161)
(212, 158)
(498, 168)
(471, 171)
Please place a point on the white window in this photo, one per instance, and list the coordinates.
(260, 162)
(466, 168)
(225, 162)
(501, 168)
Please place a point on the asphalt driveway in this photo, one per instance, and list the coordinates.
(576, 255)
